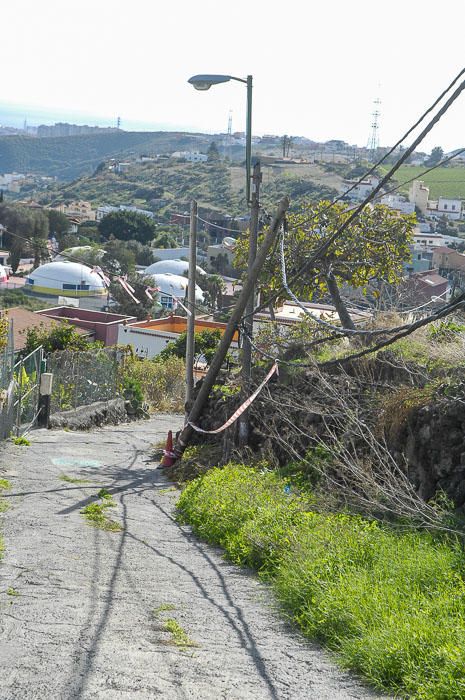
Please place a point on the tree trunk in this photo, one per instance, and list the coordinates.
(344, 316)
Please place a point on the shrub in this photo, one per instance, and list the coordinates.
(162, 383)
(390, 603)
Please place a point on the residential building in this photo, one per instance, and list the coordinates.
(360, 189)
(149, 338)
(78, 211)
(447, 260)
(190, 156)
(101, 325)
(419, 196)
(432, 240)
(23, 319)
(398, 203)
(445, 206)
(108, 209)
(423, 288)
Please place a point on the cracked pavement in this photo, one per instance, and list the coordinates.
(86, 621)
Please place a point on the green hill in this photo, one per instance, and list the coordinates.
(70, 157)
(442, 182)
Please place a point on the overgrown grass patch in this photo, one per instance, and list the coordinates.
(178, 635)
(95, 513)
(390, 603)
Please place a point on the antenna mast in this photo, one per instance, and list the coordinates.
(230, 136)
(373, 140)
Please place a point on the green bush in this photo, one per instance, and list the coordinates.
(162, 384)
(390, 603)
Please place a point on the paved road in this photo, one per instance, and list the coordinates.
(83, 624)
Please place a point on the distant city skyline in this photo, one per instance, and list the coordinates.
(317, 68)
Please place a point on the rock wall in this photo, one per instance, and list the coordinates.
(92, 416)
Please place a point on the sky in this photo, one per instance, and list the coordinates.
(316, 66)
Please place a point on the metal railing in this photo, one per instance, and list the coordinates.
(7, 415)
(26, 375)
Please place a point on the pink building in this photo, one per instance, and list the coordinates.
(103, 325)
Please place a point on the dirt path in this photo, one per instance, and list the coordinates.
(81, 621)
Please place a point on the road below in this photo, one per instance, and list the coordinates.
(83, 611)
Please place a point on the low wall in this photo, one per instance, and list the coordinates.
(94, 415)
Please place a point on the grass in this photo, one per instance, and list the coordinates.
(442, 182)
(164, 607)
(21, 441)
(73, 480)
(4, 485)
(12, 591)
(95, 513)
(179, 636)
(389, 603)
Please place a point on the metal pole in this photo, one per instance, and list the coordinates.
(202, 396)
(248, 322)
(191, 303)
(248, 138)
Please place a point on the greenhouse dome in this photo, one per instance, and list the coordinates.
(64, 279)
(174, 267)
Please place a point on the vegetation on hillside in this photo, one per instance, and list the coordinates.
(442, 182)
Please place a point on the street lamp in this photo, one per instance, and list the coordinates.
(204, 82)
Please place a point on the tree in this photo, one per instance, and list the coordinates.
(436, 156)
(213, 153)
(58, 223)
(126, 226)
(118, 259)
(214, 287)
(126, 305)
(62, 337)
(165, 239)
(374, 246)
(205, 344)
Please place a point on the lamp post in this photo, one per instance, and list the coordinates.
(204, 82)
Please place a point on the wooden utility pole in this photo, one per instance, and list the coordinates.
(248, 322)
(191, 302)
(220, 355)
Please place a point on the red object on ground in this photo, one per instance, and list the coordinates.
(169, 456)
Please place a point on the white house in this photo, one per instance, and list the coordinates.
(190, 156)
(444, 206)
(362, 189)
(398, 204)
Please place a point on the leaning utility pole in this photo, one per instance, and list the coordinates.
(202, 397)
(248, 321)
(191, 302)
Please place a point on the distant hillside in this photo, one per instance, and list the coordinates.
(70, 157)
(167, 186)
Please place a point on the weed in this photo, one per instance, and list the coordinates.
(168, 490)
(96, 516)
(12, 591)
(4, 485)
(21, 441)
(103, 493)
(164, 607)
(179, 636)
(390, 603)
(73, 480)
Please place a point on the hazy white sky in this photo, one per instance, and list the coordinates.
(317, 66)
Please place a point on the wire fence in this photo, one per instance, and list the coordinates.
(26, 376)
(81, 378)
(7, 413)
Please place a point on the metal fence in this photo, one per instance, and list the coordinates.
(26, 375)
(7, 414)
(81, 378)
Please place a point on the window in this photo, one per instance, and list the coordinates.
(453, 207)
(29, 281)
(76, 287)
(445, 206)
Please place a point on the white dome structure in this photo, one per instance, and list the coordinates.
(173, 286)
(64, 278)
(175, 266)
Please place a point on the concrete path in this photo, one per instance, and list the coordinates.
(86, 617)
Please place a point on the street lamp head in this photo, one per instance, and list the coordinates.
(204, 82)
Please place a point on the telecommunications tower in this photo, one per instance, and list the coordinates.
(373, 141)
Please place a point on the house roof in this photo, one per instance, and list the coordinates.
(24, 319)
